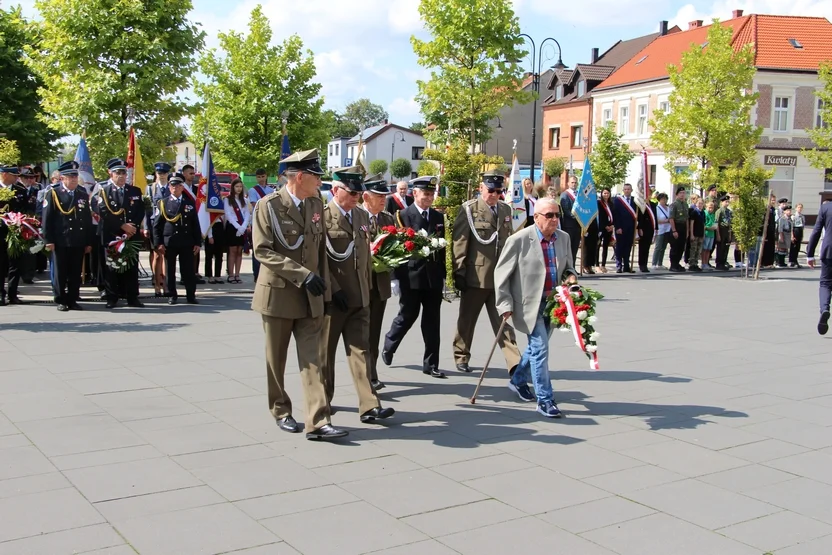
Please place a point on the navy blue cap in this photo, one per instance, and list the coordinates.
(176, 179)
(27, 172)
(9, 169)
(114, 164)
(428, 182)
(162, 167)
(376, 184)
(69, 168)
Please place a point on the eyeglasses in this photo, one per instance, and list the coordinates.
(492, 191)
(351, 193)
(549, 215)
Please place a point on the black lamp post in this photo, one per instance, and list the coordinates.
(393, 150)
(537, 63)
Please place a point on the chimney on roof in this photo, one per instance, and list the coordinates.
(385, 121)
(696, 24)
(662, 28)
(736, 13)
(594, 56)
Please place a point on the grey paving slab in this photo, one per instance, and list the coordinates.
(83, 539)
(596, 514)
(248, 479)
(157, 503)
(129, 479)
(41, 513)
(777, 531)
(79, 434)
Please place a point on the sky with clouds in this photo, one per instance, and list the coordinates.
(362, 47)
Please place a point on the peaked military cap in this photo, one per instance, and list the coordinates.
(680, 189)
(350, 177)
(305, 160)
(782, 200)
(176, 179)
(725, 197)
(425, 182)
(493, 179)
(9, 169)
(69, 168)
(162, 167)
(114, 164)
(27, 172)
(712, 188)
(376, 184)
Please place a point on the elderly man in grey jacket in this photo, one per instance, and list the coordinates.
(533, 262)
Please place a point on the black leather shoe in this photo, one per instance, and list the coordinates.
(619, 271)
(326, 432)
(433, 372)
(288, 424)
(193, 300)
(377, 413)
(63, 308)
(463, 367)
(111, 304)
(15, 300)
(172, 301)
(823, 323)
(644, 270)
(630, 271)
(199, 281)
(136, 304)
(3, 300)
(387, 357)
(75, 306)
(377, 385)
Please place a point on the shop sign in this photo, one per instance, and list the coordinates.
(775, 160)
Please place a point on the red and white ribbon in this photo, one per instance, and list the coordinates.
(118, 244)
(572, 319)
(16, 219)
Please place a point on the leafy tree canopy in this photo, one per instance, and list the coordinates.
(821, 156)
(609, 158)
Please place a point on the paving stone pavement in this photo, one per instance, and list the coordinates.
(707, 432)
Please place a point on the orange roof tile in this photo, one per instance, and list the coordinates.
(769, 33)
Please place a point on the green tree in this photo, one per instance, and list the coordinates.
(426, 167)
(709, 122)
(363, 113)
(418, 127)
(251, 83)
(337, 126)
(9, 153)
(21, 116)
(609, 157)
(554, 167)
(474, 59)
(747, 181)
(821, 155)
(98, 59)
(401, 167)
(378, 166)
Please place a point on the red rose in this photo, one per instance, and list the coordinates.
(389, 229)
(410, 233)
(562, 320)
(409, 245)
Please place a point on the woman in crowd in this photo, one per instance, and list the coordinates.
(530, 198)
(237, 222)
(606, 228)
(798, 223)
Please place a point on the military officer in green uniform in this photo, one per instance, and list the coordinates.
(380, 287)
(293, 284)
(480, 231)
(350, 268)
(678, 229)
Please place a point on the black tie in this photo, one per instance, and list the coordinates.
(373, 224)
(119, 195)
(300, 208)
(425, 216)
(349, 218)
(494, 211)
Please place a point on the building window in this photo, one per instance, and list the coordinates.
(581, 87)
(416, 152)
(352, 152)
(664, 106)
(559, 92)
(819, 116)
(624, 120)
(827, 179)
(781, 183)
(554, 137)
(186, 154)
(642, 119)
(336, 149)
(781, 114)
(606, 116)
(330, 150)
(577, 136)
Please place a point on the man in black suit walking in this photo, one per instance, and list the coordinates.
(823, 223)
(421, 281)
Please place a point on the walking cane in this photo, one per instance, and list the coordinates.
(488, 361)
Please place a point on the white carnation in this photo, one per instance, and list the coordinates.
(442, 243)
(434, 243)
(594, 336)
(425, 251)
(582, 315)
(592, 320)
(591, 348)
(423, 232)
(583, 330)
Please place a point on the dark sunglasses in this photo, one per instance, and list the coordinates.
(550, 215)
(351, 193)
(492, 191)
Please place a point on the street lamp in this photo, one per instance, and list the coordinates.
(393, 150)
(537, 56)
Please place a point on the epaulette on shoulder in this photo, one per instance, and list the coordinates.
(470, 202)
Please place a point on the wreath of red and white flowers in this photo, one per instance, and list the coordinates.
(572, 309)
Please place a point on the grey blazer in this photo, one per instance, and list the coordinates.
(520, 275)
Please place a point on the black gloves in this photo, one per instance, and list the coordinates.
(460, 283)
(339, 299)
(314, 284)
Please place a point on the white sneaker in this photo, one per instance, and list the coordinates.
(655, 267)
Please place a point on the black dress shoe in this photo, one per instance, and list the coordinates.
(28, 281)
(644, 270)
(111, 304)
(463, 367)
(619, 271)
(377, 413)
(433, 372)
(136, 304)
(75, 306)
(377, 385)
(326, 432)
(63, 308)
(172, 301)
(199, 281)
(15, 300)
(823, 323)
(630, 271)
(387, 357)
(288, 424)
(193, 300)
(3, 300)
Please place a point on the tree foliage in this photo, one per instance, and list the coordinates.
(418, 126)
(747, 180)
(821, 155)
(9, 153)
(250, 84)
(337, 126)
(97, 58)
(609, 158)
(378, 166)
(709, 125)
(474, 59)
(554, 167)
(21, 116)
(426, 167)
(363, 113)
(401, 167)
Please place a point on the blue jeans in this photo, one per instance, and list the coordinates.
(535, 359)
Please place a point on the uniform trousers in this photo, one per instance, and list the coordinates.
(410, 302)
(470, 305)
(353, 327)
(644, 250)
(66, 282)
(825, 283)
(186, 270)
(589, 251)
(4, 260)
(377, 307)
(16, 267)
(722, 248)
(677, 244)
(794, 248)
(307, 334)
(574, 241)
(124, 284)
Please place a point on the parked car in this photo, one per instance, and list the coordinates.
(326, 191)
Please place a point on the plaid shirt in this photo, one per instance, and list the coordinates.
(550, 259)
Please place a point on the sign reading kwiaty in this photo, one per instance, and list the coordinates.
(775, 160)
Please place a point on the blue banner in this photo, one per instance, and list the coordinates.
(585, 208)
(85, 175)
(212, 189)
(284, 152)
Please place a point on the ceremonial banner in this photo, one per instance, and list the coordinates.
(135, 166)
(85, 175)
(209, 205)
(285, 151)
(642, 192)
(585, 207)
(515, 195)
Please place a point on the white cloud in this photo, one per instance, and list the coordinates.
(404, 111)
(598, 13)
(403, 16)
(723, 8)
(381, 72)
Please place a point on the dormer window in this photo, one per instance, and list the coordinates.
(641, 59)
(795, 43)
(581, 88)
(559, 92)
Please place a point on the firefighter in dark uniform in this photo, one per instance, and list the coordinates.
(69, 234)
(176, 233)
(11, 265)
(31, 262)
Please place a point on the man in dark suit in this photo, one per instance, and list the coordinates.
(398, 200)
(121, 210)
(624, 213)
(646, 230)
(8, 264)
(568, 223)
(421, 281)
(176, 233)
(69, 234)
(823, 223)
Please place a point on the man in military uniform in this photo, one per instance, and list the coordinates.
(350, 266)
(158, 191)
(480, 231)
(723, 219)
(290, 243)
(568, 223)
(69, 234)
(9, 265)
(421, 281)
(176, 233)
(678, 229)
(121, 211)
(380, 289)
(192, 185)
(31, 263)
